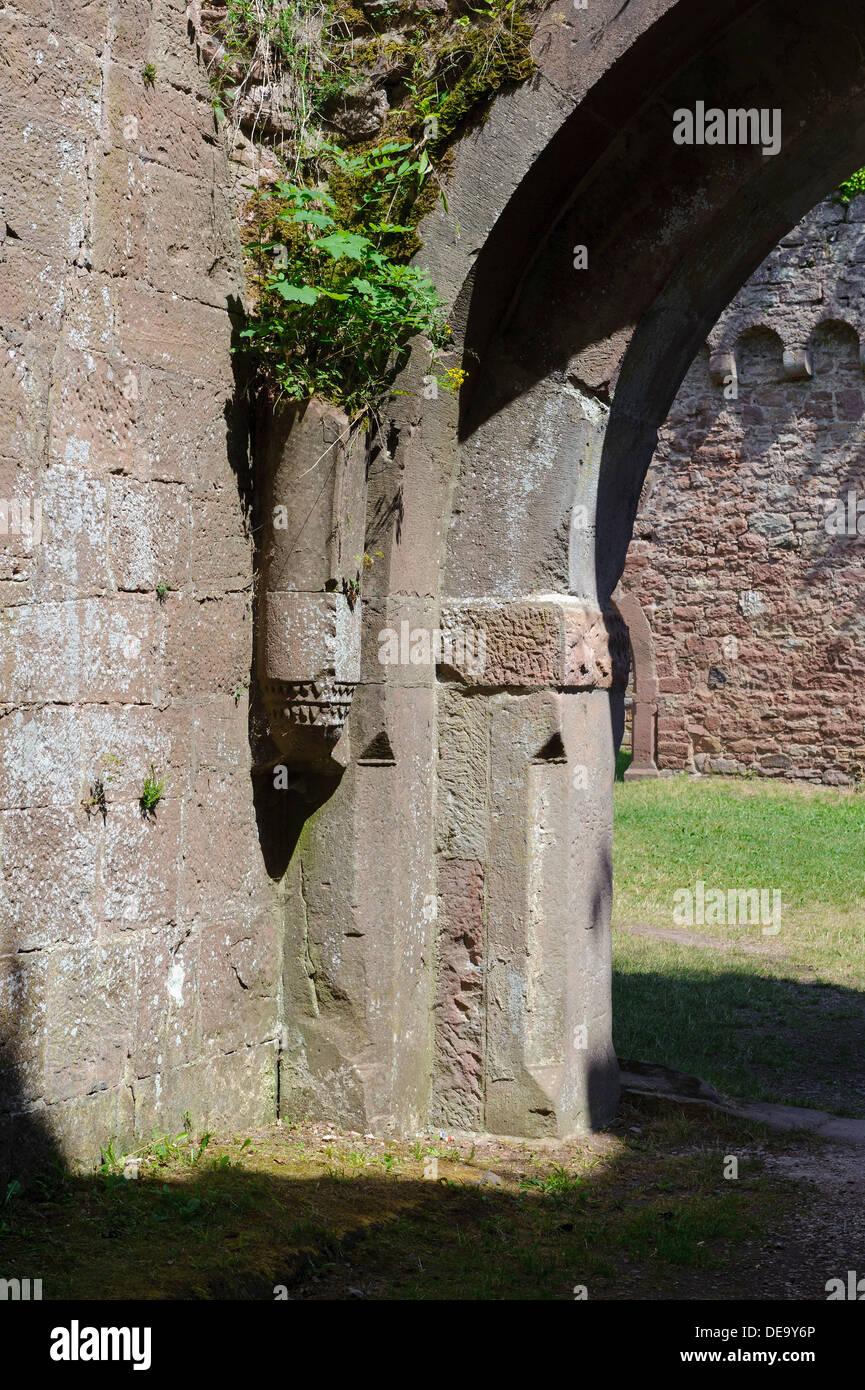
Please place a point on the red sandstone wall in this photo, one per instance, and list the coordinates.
(138, 958)
(758, 613)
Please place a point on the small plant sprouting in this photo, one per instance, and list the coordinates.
(162, 591)
(151, 793)
(851, 188)
(148, 75)
(366, 561)
(239, 694)
(96, 799)
(351, 589)
(111, 1167)
(453, 380)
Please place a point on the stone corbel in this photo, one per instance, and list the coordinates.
(797, 364)
(722, 369)
(309, 617)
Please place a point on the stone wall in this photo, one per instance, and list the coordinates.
(755, 608)
(138, 956)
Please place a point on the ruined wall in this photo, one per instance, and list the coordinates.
(138, 956)
(755, 607)
(142, 968)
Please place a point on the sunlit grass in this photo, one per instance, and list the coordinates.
(777, 1016)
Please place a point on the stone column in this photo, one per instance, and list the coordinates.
(645, 709)
(308, 638)
(527, 759)
(645, 726)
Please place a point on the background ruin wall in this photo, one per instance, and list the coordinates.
(755, 609)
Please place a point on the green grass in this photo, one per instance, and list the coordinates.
(625, 1211)
(623, 762)
(775, 1018)
(670, 831)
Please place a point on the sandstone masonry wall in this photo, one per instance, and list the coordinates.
(757, 610)
(138, 957)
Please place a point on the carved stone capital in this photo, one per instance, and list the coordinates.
(535, 642)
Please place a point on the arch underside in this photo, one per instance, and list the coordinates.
(671, 232)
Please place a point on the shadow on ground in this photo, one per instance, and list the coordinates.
(642, 1212)
(752, 1035)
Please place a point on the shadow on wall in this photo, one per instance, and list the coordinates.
(26, 1143)
(602, 1071)
(283, 799)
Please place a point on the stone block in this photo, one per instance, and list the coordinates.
(90, 1017)
(151, 535)
(141, 865)
(23, 1027)
(41, 908)
(89, 649)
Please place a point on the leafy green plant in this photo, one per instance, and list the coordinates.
(851, 188)
(112, 1162)
(557, 1183)
(203, 1143)
(336, 318)
(164, 1149)
(148, 75)
(162, 591)
(336, 303)
(151, 792)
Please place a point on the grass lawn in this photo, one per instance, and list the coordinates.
(641, 1211)
(772, 1016)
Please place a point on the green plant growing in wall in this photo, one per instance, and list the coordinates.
(336, 317)
(334, 303)
(148, 75)
(162, 591)
(151, 793)
(851, 188)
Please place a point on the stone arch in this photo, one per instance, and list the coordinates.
(703, 224)
(473, 855)
(835, 346)
(759, 356)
